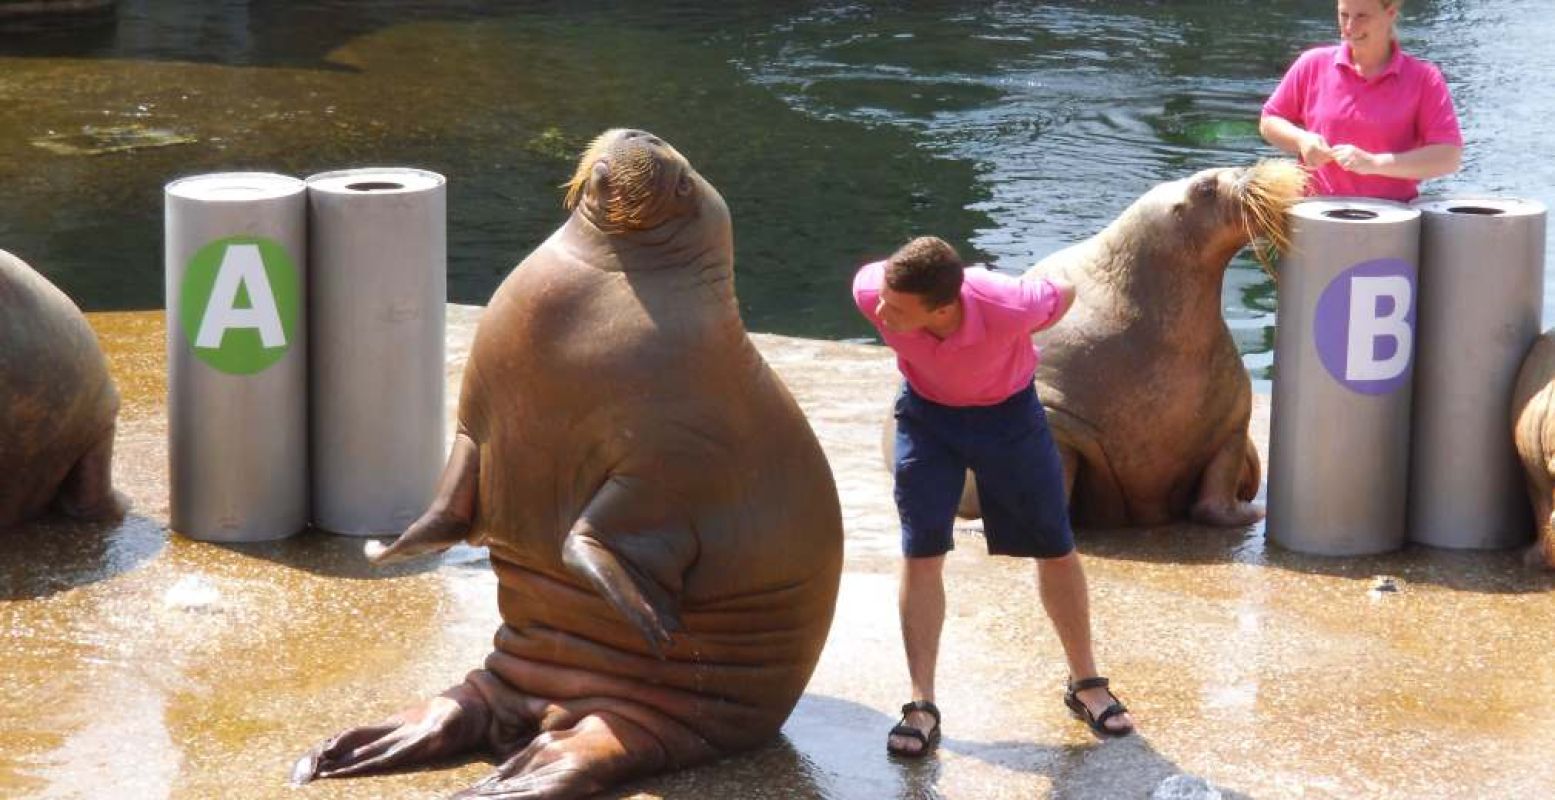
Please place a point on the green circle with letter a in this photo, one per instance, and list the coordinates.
(239, 304)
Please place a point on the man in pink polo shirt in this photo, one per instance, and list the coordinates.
(1369, 119)
(962, 339)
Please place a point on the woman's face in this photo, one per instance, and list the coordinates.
(1366, 24)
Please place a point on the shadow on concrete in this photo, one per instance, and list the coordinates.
(55, 554)
(777, 769)
(1128, 767)
(335, 556)
(1484, 571)
(834, 748)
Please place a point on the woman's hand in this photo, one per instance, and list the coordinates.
(1314, 150)
(1294, 139)
(1354, 159)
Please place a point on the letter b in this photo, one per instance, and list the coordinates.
(1369, 327)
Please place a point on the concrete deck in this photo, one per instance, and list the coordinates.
(139, 664)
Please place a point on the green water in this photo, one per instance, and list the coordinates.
(835, 130)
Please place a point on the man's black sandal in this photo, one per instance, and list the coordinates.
(1097, 723)
(927, 741)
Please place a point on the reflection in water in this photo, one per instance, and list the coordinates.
(834, 129)
(499, 105)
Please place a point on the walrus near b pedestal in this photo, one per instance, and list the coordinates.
(1533, 431)
(663, 524)
(1143, 386)
(57, 404)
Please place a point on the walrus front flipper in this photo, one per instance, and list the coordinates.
(87, 493)
(625, 548)
(1223, 498)
(453, 723)
(447, 522)
(601, 749)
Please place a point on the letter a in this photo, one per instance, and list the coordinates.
(1366, 328)
(241, 266)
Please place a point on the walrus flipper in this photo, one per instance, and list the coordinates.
(634, 559)
(447, 522)
(1223, 499)
(87, 493)
(453, 723)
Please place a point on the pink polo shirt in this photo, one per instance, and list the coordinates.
(1405, 107)
(989, 357)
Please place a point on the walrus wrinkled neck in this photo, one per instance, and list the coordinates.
(676, 251)
(676, 244)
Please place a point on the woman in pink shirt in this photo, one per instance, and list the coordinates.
(1370, 120)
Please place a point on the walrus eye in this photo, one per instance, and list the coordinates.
(1205, 189)
(683, 188)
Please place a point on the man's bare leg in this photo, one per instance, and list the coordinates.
(1061, 584)
(921, 601)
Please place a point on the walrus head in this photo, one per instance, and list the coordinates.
(1265, 192)
(1219, 211)
(630, 180)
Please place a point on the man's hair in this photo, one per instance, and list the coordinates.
(928, 267)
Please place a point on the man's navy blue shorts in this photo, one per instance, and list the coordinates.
(1020, 480)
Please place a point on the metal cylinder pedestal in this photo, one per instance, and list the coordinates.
(1339, 424)
(1481, 298)
(378, 259)
(236, 245)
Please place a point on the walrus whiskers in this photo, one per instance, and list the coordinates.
(634, 187)
(1265, 193)
(633, 184)
(580, 177)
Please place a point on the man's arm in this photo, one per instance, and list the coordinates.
(866, 290)
(1048, 299)
(1065, 299)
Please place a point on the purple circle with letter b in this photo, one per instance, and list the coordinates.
(1365, 326)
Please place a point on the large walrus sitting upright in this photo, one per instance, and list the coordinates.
(57, 404)
(1533, 431)
(1142, 383)
(663, 524)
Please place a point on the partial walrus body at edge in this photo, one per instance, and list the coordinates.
(58, 404)
(1533, 433)
(663, 524)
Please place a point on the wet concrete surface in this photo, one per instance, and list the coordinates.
(140, 664)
